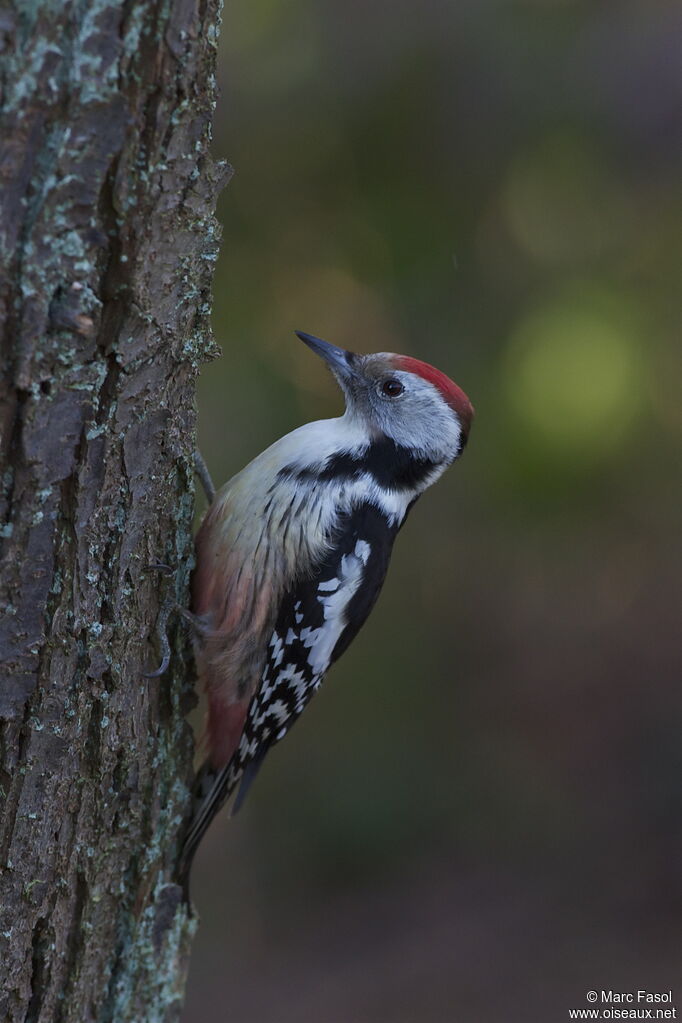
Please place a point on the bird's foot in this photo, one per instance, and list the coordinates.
(204, 475)
(168, 608)
(165, 611)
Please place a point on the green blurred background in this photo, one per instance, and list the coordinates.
(479, 817)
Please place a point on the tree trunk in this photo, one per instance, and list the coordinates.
(107, 247)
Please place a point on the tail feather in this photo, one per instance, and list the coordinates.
(212, 789)
(247, 778)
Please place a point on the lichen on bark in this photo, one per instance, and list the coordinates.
(107, 247)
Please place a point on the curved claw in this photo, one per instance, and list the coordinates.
(159, 566)
(162, 668)
(161, 627)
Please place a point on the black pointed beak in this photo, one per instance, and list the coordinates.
(338, 359)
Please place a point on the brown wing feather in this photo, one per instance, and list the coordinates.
(234, 601)
(249, 549)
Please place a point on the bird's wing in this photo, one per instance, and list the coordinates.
(233, 598)
(317, 619)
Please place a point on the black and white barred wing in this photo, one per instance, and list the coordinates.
(317, 620)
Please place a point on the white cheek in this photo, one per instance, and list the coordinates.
(422, 422)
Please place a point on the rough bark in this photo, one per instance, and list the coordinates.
(107, 246)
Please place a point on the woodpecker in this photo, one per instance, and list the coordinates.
(293, 551)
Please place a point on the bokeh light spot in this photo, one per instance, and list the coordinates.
(573, 375)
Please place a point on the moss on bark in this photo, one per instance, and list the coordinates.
(107, 246)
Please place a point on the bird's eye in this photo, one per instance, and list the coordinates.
(391, 388)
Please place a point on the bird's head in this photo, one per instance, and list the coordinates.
(401, 398)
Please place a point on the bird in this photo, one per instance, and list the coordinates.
(293, 551)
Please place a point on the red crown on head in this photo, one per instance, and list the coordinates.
(451, 393)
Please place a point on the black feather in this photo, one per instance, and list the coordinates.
(281, 699)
